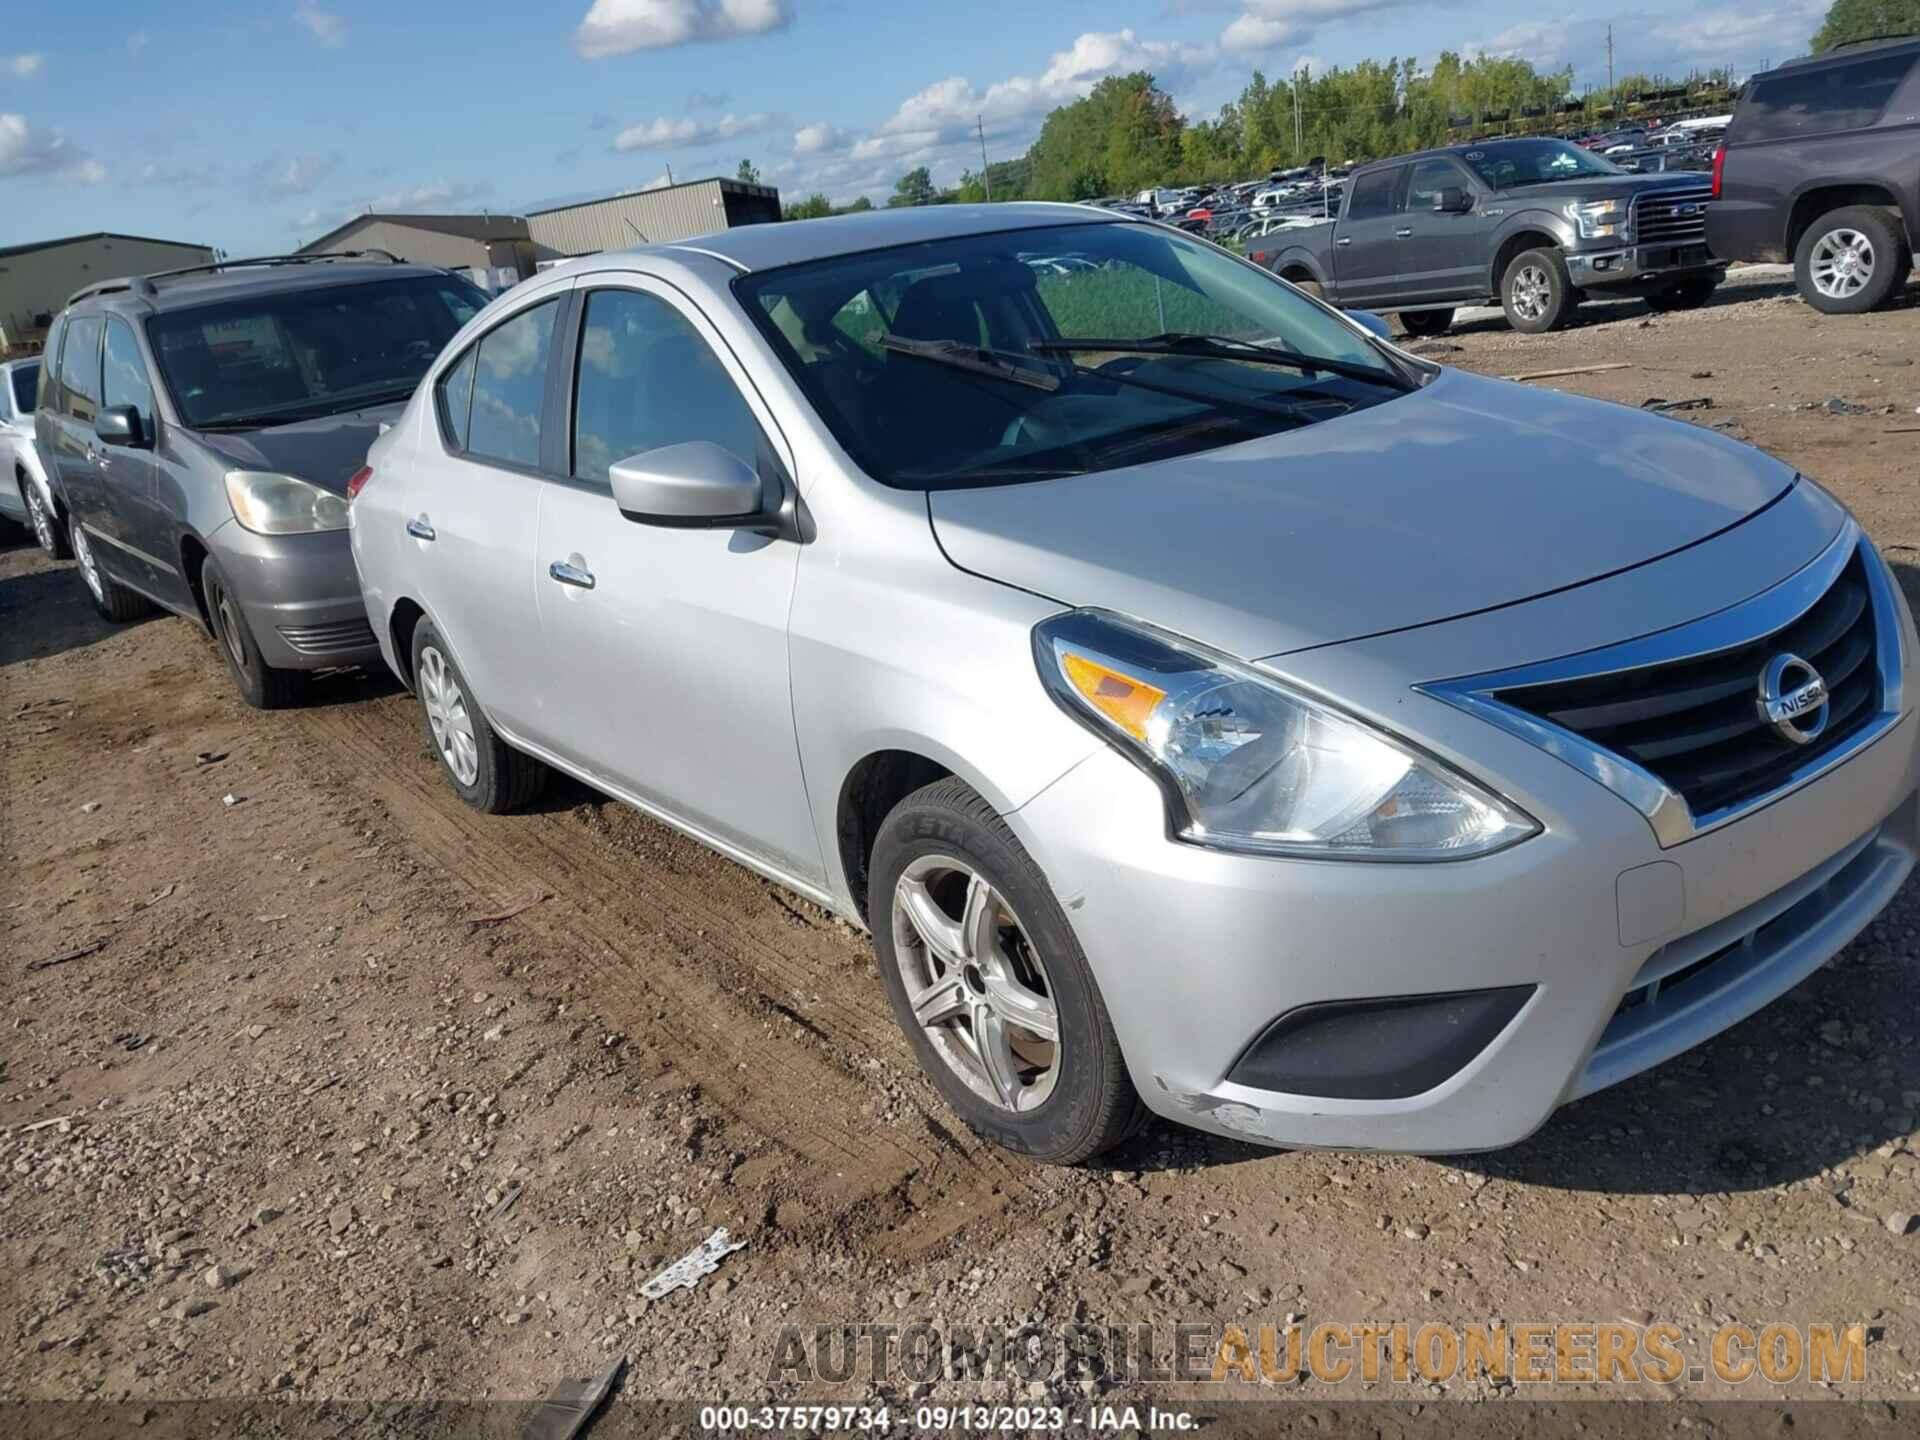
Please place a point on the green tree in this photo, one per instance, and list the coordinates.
(748, 174)
(913, 188)
(811, 208)
(1851, 20)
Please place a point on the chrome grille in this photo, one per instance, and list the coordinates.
(1696, 723)
(325, 639)
(1671, 217)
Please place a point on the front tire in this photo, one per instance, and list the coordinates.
(1422, 324)
(485, 771)
(113, 600)
(1536, 292)
(1687, 295)
(263, 686)
(1851, 261)
(988, 980)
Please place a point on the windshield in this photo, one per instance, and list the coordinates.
(938, 366)
(1536, 162)
(275, 358)
(26, 382)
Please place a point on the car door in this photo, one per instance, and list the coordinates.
(128, 473)
(76, 449)
(472, 507)
(1442, 254)
(1367, 248)
(669, 644)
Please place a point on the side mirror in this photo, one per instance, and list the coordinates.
(1452, 200)
(1374, 325)
(121, 425)
(693, 486)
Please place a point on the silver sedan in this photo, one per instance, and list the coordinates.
(1209, 708)
(25, 497)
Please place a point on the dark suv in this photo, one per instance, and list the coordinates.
(199, 429)
(1822, 165)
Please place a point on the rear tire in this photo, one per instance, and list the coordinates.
(1687, 295)
(263, 686)
(1851, 261)
(112, 599)
(1536, 292)
(1422, 324)
(1311, 287)
(1072, 1096)
(485, 771)
(43, 524)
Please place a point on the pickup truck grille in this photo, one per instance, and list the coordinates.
(1696, 724)
(1671, 217)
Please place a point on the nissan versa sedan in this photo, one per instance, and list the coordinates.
(200, 427)
(1209, 708)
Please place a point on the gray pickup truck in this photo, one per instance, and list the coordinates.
(1536, 225)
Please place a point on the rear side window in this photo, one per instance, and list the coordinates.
(510, 388)
(1821, 99)
(50, 364)
(456, 399)
(125, 379)
(1374, 193)
(26, 380)
(80, 368)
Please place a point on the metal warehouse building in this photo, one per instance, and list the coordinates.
(494, 249)
(657, 216)
(36, 279)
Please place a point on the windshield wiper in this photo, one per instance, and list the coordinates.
(1226, 347)
(976, 360)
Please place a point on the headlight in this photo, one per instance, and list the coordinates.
(1249, 764)
(1599, 220)
(269, 504)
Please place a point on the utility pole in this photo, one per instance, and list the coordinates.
(986, 181)
(1609, 64)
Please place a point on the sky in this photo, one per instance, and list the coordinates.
(257, 126)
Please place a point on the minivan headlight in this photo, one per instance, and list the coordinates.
(1249, 764)
(270, 504)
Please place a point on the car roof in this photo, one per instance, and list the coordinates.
(1840, 54)
(793, 242)
(164, 293)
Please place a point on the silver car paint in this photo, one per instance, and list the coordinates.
(890, 645)
(19, 459)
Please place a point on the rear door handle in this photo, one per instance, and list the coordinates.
(566, 574)
(419, 528)
(1403, 234)
(1344, 240)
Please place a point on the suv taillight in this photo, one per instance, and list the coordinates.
(359, 481)
(1719, 167)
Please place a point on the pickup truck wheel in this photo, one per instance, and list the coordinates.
(1536, 292)
(1311, 287)
(1849, 261)
(1422, 323)
(1687, 295)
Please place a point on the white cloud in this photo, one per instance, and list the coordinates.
(279, 177)
(23, 67)
(325, 26)
(1781, 29)
(433, 195)
(181, 177)
(820, 139)
(673, 132)
(1543, 42)
(25, 151)
(1269, 24)
(621, 27)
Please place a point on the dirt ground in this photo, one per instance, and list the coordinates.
(362, 1095)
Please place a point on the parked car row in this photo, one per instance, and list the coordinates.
(986, 574)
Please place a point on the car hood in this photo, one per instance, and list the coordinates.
(1604, 187)
(325, 451)
(1466, 495)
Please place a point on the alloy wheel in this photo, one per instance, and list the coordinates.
(1842, 263)
(447, 713)
(230, 627)
(83, 552)
(42, 522)
(976, 983)
(1532, 293)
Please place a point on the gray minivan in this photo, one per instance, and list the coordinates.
(199, 429)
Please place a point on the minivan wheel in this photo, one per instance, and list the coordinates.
(1536, 292)
(110, 598)
(263, 686)
(1423, 323)
(1850, 261)
(47, 532)
(485, 771)
(988, 980)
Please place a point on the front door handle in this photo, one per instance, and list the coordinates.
(569, 574)
(1403, 234)
(1344, 240)
(419, 528)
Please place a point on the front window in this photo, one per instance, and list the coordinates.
(26, 385)
(1517, 163)
(271, 359)
(962, 362)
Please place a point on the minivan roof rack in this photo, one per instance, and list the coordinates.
(143, 284)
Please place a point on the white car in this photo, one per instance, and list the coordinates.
(25, 497)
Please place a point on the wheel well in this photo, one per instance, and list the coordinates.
(193, 559)
(1512, 246)
(401, 624)
(1815, 203)
(1299, 274)
(872, 788)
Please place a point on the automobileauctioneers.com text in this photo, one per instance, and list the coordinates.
(1604, 1353)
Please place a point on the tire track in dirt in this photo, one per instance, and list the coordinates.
(781, 1024)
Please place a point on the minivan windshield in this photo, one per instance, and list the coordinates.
(1031, 354)
(274, 358)
(26, 384)
(1511, 164)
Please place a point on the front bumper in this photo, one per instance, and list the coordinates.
(300, 595)
(1640, 266)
